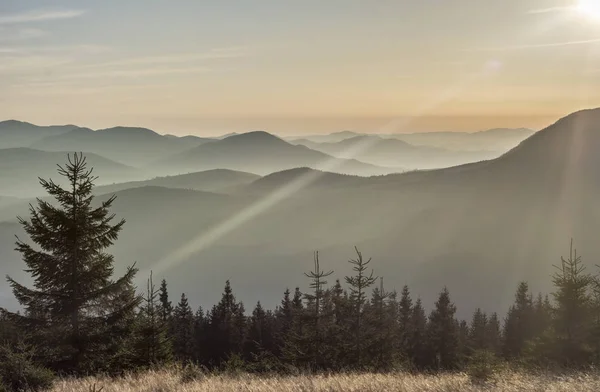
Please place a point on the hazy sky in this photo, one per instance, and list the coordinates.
(297, 66)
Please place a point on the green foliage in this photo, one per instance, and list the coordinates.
(19, 373)
(153, 345)
(483, 366)
(75, 309)
(191, 372)
(443, 334)
(235, 365)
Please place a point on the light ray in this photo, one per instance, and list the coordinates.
(209, 237)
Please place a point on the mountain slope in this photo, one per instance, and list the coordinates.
(497, 140)
(15, 134)
(131, 146)
(261, 153)
(396, 153)
(21, 167)
(476, 228)
(217, 180)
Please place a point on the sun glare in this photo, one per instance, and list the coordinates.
(589, 8)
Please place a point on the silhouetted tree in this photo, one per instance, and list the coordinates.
(166, 308)
(153, 344)
(478, 331)
(493, 335)
(226, 328)
(572, 311)
(518, 326)
(358, 284)
(443, 334)
(183, 330)
(314, 308)
(418, 348)
(405, 310)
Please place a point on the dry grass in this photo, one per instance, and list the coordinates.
(170, 381)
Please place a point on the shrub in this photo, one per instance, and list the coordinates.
(192, 372)
(234, 365)
(19, 373)
(483, 367)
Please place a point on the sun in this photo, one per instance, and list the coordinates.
(589, 8)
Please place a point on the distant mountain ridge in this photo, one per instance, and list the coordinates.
(261, 153)
(20, 168)
(131, 146)
(479, 227)
(490, 140)
(14, 134)
(217, 180)
(394, 152)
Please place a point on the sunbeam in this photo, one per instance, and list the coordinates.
(209, 237)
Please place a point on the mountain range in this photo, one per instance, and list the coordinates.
(478, 227)
(20, 167)
(497, 140)
(396, 153)
(262, 153)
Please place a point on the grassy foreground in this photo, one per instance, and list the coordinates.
(168, 381)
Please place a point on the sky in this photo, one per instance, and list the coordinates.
(298, 67)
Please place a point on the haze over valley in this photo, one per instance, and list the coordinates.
(252, 207)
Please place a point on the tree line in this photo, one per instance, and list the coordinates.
(78, 319)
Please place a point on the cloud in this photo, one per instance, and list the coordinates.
(177, 58)
(20, 34)
(549, 10)
(39, 16)
(535, 46)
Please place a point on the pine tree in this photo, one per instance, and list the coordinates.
(75, 306)
(339, 334)
(382, 320)
(518, 326)
(199, 337)
(153, 345)
(285, 315)
(183, 330)
(493, 335)
(226, 328)
(542, 316)
(314, 312)
(443, 333)
(572, 312)
(261, 335)
(478, 331)
(166, 308)
(464, 349)
(418, 349)
(358, 285)
(405, 310)
(294, 347)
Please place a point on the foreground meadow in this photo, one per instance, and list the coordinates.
(170, 381)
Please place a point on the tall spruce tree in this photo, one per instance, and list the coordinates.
(183, 331)
(226, 328)
(199, 336)
(478, 331)
(405, 310)
(75, 307)
(493, 334)
(153, 345)
(382, 319)
(359, 283)
(518, 326)
(572, 312)
(418, 348)
(443, 333)
(314, 312)
(166, 307)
